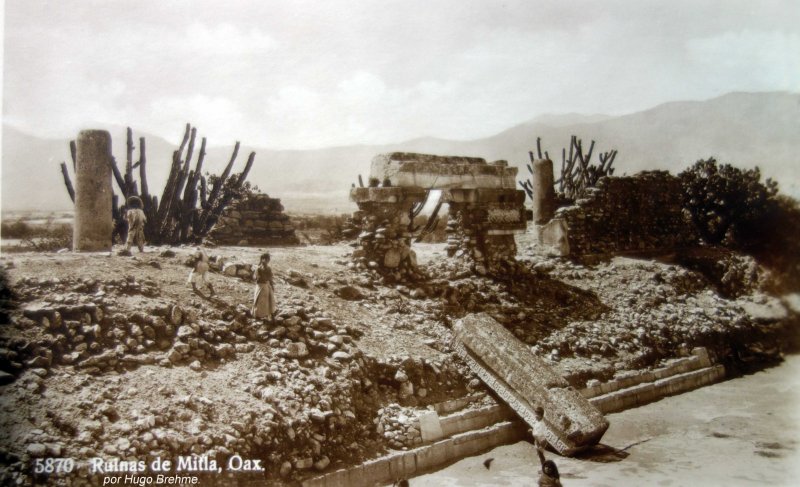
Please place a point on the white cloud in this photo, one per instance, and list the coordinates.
(749, 59)
(362, 108)
(306, 75)
(225, 39)
(212, 115)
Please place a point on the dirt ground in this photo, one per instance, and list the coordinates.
(349, 362)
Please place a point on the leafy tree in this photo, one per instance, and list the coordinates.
(778, 242)
(727, 205)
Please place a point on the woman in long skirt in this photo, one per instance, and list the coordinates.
(264, 300)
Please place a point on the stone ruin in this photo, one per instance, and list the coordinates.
(629, 214)
(523, 381)
(93, 193)
(485, 211)
(258, 220)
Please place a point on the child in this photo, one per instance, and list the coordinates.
(264, 299)
(549, 476)
(136, 220)
(199, 275)
(538, 433)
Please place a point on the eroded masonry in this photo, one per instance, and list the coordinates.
(485, 211)
(628, 214)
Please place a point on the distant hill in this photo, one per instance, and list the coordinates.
(744, 129)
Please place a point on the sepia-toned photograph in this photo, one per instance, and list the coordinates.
(400, 243)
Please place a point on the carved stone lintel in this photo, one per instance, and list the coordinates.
(524, 381)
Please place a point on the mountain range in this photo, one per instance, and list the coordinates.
(742, 129)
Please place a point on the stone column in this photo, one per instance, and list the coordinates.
(544, 196)
(93, 222)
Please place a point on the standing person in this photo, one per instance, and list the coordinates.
(199, 275)
(549, 476)
(264, 300)
(136, 220)
(538, 431)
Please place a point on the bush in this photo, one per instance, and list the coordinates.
(18, 229)
(53, 239)
(732, 207)
(727, 205)
(778, 245)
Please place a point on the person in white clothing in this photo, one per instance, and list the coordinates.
(198, 278)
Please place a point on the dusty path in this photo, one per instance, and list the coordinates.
(745, 431)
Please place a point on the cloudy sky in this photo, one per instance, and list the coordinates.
(308, 74)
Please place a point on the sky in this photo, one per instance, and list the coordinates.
(312, 74)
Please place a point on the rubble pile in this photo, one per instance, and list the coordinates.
(123, 360)
(658, 311)
(257, 220)
(622, 314)
(95, 335)
(308, 398)
(399, 425)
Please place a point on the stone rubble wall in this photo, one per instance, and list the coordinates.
(468, 236)
(637, 213)
(258, 220)
(384, 242)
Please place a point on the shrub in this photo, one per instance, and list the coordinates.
(727, 205)
(732, 207)
(18, 229)
(7, 297)
(53, 239)
(778, 245)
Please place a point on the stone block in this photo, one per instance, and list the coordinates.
(524, 382)
(555, 235)
(702, 354)
(430, 427)
(433, 456)
(439, 172)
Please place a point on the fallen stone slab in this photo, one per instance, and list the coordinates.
(523, 381)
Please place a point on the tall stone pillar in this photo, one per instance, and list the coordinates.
(93, 223)
(544, 196)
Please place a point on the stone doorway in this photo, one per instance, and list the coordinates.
(484, 210)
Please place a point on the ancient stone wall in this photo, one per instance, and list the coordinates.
(384, 241)
(437, 172)
(639, 213)
(485, 210)
(258, 220)
(483, 233)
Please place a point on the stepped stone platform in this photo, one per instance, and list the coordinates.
(474, 431)
(258, 220)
